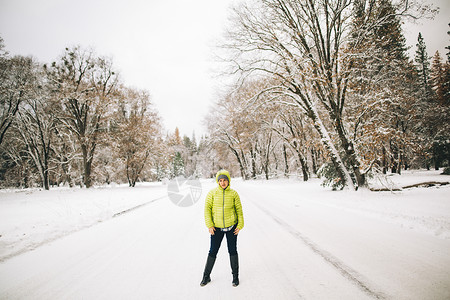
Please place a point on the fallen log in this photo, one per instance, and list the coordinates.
(422, 184)
(385, 190)
(426, 184)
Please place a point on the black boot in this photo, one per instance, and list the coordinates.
(234, 261)
(208, 268)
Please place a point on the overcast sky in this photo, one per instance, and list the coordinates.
(163, 46)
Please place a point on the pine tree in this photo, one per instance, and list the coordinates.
(437, 76)
(435, 106)
(423, 67)
(381, 100)
(177, 137)
(177, 165)
(446, 88)
(448, 47)
(389, 33)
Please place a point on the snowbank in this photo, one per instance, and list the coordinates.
(32, 217)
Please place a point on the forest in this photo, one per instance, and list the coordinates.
(321, 88)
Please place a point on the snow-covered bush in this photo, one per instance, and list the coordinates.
(330, 176)
(446, 171)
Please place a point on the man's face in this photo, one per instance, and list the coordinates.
(223, 183)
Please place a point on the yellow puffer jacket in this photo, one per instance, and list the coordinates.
(223, 207)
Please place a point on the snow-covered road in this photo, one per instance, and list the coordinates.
(299, 242)
(338, 250)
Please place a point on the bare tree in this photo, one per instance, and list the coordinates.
(297, 42)
(86, 86)
(296, 133)
(36, 125)
(232, 122)
(16, 75)
(137, 132)
(303, 44)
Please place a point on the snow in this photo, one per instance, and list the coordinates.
(32, 217)
(300, 241)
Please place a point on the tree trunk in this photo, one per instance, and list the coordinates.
(87, 164)
(302, 161)
(436, 157)
(349, 150)
(286, 164)
(241, 166)
(253, 157)
(304, 167)
(267, 157)
(328, 144)
(314, 163)
(45, 178)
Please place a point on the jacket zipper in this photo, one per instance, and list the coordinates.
(223, 209)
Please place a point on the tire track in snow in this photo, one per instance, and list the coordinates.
(352, 275)
(138, 206)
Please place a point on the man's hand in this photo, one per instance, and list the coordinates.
(212, 230)
(236, 231)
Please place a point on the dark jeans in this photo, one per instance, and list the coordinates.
(217, 238)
